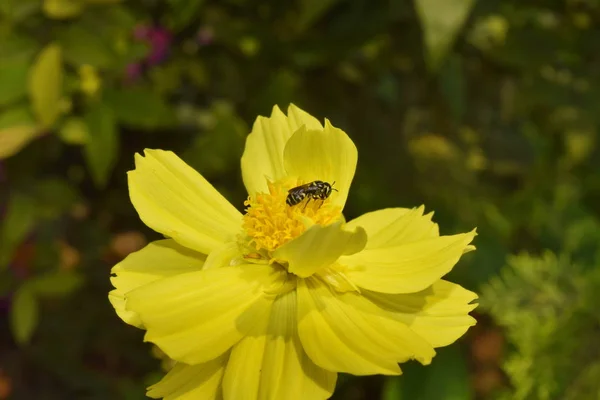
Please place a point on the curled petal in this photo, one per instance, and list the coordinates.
(396, 226)
(439, 313)
(191, 382)
(198, 316)
(271, 364)
(347, 333)
(263, 156)
(406, 268)
(327, 155)
(320, 246)
(175, 200)
(157, 260)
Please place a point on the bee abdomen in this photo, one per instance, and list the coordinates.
(294, 198)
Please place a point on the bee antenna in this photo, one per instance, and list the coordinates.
(332, 188)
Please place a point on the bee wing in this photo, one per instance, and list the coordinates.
(301, 187)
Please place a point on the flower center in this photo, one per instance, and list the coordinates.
(270, 222)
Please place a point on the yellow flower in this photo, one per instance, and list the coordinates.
(274, 303)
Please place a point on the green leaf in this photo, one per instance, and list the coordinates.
(18, 115)
(82, 45)
(140, 107)
(18, 222)
(312, 10)
(54, 197)
(448, 376)
(24, 315)
(13, 81)
(45, 85)
(74, 131)
(182, 12)
(452, 84)
(441, 21)
(102, 148)
(21, 10)
(17, 48)
(56, 284)
(392, 389)
(62, 9)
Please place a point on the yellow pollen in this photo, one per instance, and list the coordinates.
(270, 222)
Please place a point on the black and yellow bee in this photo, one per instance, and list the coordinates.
(316, 190)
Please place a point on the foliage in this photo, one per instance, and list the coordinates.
(546, 303)
(484, 111)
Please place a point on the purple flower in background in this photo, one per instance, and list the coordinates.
(159, 40)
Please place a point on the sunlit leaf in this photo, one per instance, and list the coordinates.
(102, 148)
(45, 85)
(441, 21)
(24, 315)
(74, 131)
(17, 223)
(56, 284)
(13, 139)
(62, 9)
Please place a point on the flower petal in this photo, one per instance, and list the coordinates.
(263, 155)
(157, 260)
(197, 316)
(320, 246)
(224, 256)
(327, 155)
(271, 364)
(439, 313)
(175, 200)
(191, 382)
(347, 333)
(406, 268)
(396, 226)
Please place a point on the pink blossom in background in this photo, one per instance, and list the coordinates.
(159, 40)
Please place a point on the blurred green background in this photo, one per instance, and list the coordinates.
(485, 111)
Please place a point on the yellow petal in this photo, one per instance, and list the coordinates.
(395, 226)
(224, 256)
(320, 246)
(347, 333)
(439, 313)
(271, 364)
(197, 316)
(406, 268)
(327, 155)
(157, 260)
(191, 382)
(263, 155)
(175, 200)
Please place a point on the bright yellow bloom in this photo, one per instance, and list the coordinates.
(274, 303)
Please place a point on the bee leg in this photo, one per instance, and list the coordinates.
(305, 204)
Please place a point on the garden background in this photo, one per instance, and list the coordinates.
(485, 111)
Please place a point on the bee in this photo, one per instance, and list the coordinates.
(316, 190)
